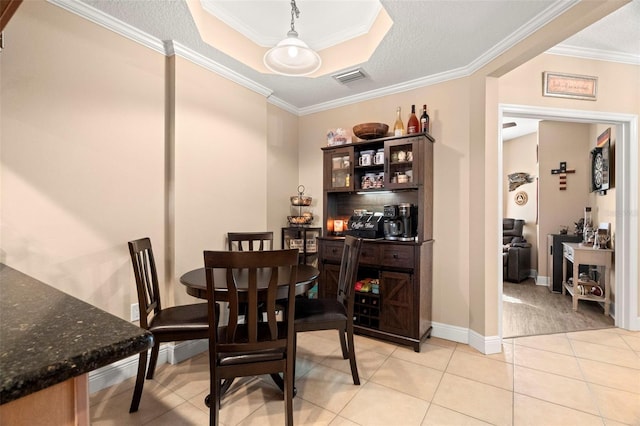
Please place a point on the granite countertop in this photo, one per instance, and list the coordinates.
(47, 336)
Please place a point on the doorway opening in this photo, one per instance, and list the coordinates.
(626, 178)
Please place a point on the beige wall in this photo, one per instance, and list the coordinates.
(282, 170)
(82, 153)
(560, 141)
(91, 159)
(520, 155)
(220, 164)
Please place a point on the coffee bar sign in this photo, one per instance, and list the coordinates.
(569, 86)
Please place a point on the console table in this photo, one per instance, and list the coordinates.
(580, 254)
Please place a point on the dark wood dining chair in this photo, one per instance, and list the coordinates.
(250, 241)
(251, 347)
(173, 324)
(336, 312)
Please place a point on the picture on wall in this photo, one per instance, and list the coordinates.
(600, 164)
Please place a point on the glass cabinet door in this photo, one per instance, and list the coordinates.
(403, 160)
(339, 166)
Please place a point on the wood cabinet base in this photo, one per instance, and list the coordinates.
(64, 404)
(394, 338)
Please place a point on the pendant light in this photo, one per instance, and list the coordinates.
(292, 56)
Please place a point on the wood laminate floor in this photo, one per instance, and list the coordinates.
(529, 309)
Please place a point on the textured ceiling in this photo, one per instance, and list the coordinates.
(429, 40)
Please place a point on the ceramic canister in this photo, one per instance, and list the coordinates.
(366, 158)
(379, 157)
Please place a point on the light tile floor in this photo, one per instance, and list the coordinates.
(578, 378)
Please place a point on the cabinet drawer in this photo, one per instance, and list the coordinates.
(332, 251)
(398, 256)
(370, 254)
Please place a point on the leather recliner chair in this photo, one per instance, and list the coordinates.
(516, 252)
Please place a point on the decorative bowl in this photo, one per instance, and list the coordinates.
(301, 200)
(370, 130)
(300, 220)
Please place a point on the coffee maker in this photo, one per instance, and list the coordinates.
(407, 213)
(393, 227)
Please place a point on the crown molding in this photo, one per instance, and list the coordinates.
(221, 70)
(98, 17)
(167, 48)
(595, 54)
(385, 91)
(521, 33)
(274, 100)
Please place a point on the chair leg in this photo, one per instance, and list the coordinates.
(214, 402)
(289, 392)
(352, 357)
(343, 343)
(137, 391)
(154, 360)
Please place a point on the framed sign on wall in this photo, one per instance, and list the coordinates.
(569, 86)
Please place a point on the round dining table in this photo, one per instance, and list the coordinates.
(196, 282)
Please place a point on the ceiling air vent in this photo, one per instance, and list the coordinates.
(349, 76)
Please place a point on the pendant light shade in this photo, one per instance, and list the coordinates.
(292, 56)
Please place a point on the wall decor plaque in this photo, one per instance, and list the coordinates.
(521, 198)
(569, 86)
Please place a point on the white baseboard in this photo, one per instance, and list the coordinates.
(485, 344)
(450, 332)
(123, 369)
(185, 350)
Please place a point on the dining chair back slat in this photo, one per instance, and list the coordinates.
(250, 241)
(144, 269)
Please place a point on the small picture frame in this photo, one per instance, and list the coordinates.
(571, 86)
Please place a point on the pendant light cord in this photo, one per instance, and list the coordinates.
(294, 11)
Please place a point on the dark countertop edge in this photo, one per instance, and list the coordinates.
(58, 357)
(57, 373)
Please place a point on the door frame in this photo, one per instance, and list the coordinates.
(626, 178)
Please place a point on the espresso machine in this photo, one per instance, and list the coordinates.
(393, 226)
(408, 214)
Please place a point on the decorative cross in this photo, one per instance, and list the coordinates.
(562, 174)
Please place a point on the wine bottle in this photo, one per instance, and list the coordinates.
(424, 120)
(413, 126)
(398, 127)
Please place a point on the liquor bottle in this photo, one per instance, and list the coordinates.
(413, 125)
(398, 127)
(424, 120)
